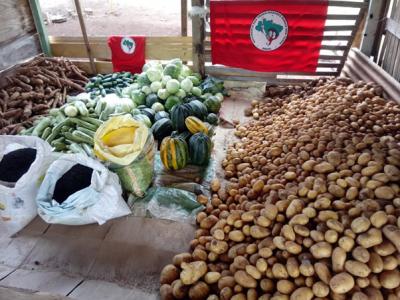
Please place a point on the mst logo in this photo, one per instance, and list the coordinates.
(128, 45)
(269, 30)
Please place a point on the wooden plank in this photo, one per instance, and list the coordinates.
(348, 3)
(102, 290)
(156, 48)
(40, 27)
(342, 17)
(227, 71)
(16, 19)
(102, 67)
(393, 27)
(184, 16)
(17, 294)
(44, 281)
(19, 50)
(103, 39)
(198, 32)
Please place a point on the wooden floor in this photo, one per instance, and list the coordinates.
(118, 260)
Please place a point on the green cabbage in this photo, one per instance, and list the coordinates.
(181, 94)
(155, 86)
(154, 74)
(172, 86)
(146, 90)
(162, 94)
(138, 97)
(142, 79)
(195, 80)
(172, 70)
(157, 107)
(186, 85)
(196, 91)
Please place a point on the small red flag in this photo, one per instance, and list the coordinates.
(269, 35)
(127, 53)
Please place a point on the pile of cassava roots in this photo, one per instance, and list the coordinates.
(311, 207)
(35, 88)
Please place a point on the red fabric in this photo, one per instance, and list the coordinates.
(127, 62)
(232, 45)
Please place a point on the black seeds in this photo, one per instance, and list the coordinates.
(16, 163)
(75, 179)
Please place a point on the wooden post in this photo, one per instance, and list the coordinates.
(85, 37)
(373, 27)
(184, 17)
(198, 33)
(41, 29)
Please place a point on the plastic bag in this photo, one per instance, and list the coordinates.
(99, 202)
(17, 202)
(127, 147)
(166, 203)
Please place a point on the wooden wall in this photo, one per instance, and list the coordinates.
(18, 37)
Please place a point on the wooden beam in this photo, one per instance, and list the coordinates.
(184, 17)
(375, 17)
(41, 29)
(84, 34)
(198, 33)
(393, 27)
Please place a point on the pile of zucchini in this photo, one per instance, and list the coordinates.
(100, 85)
(69, 129)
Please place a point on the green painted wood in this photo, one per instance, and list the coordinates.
(41, 29)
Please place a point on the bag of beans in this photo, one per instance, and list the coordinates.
(23, 163)
(79, 190)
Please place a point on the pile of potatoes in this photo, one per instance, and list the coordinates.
(311, 206)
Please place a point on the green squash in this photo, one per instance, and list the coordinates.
(160, 115)
(151, 99)
(174, 153)
(199, 109)
(171, 102)
(149, 113)
(213, 104)
(200, 147)
(178, 115)
(212, 119)
(162, 128)
(183, 135)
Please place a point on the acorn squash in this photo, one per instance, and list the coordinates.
(195, 125)
(200, 147)
(174, 153)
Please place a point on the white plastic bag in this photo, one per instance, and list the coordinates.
(17, 203)
(99, 202)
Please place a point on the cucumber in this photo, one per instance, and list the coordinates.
(27, 131)
(83, 137)
(76, 148)
(56, 130)
(41, 126)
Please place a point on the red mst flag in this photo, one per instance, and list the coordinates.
(269, 35)
(127, 53)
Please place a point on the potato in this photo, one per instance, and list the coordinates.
(253, 271)
(179, 290)
(259, 232)
(261, 265)
(302, 293)
(360, 224)
(226, 293)
(361, 254)
(285, 286)
(199, 291)
(389, 262)
(168, 274)
(208, 222)
(370, 238)
(359, 296)
(279, 271)
(321, 250)
(357, 268)
(236, 236)
(323, 273)
(331, 236)
(384, 192)
(392, 233)
(215, 185)
(178, 259)
(226, 281)
(320, 289)
(218, 247)
(375, 263)
(341, 283)
(306, 268)
(212, 277)
(390, 279)
(191, 272)
(166, 292)
(245, 280)
(265, 252)
(385, 248)
(292, 267)
(338, 259)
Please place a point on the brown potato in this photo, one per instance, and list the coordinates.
(320, 289)
(212, 277)
(321, 250)
(285, 286)
(199, 291)
(390, 279)
(169, 274)
(302, 293)
(361, 254)
(341, 283)
(166, 292)
(245, 280)
(357, 268)
(323, 272)
(191, 272)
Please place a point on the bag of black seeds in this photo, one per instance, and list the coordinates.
(23, 163)
(79, 190)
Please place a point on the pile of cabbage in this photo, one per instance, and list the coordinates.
(161, 87)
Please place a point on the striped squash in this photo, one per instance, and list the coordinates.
(200, 147)
(195, 125)
(174, 153)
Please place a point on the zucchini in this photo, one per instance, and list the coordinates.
(46, 133)
(41, 126)
(82, 123)
(81, 107)
(86, 131)
(56, 130)
(27, 131)
(76, 148)
(114, 76)
(103, 92)
(88, 149)
(92, 121)
(83, 137)
(58, 146)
